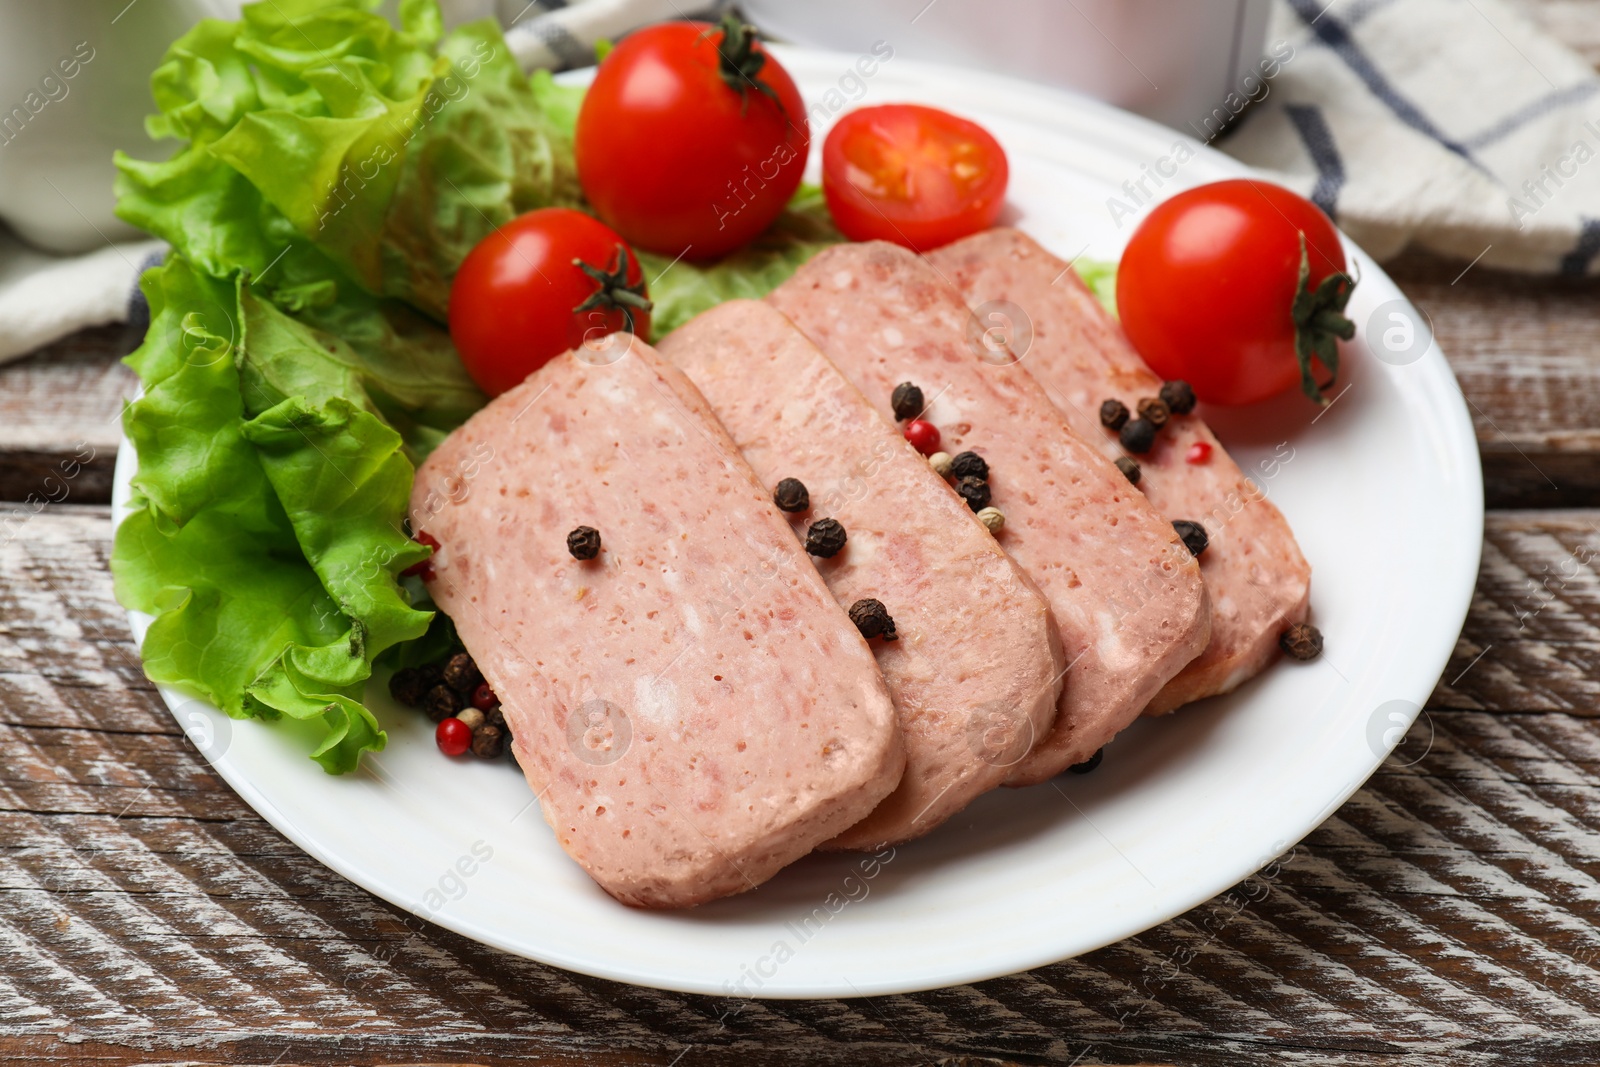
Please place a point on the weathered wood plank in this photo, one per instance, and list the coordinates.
(59, 413)
(1524, 350)
(1532, 639)
(1445, 915)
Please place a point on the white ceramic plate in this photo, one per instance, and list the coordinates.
(1383, 490)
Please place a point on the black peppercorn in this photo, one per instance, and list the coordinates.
(791, 495)
(1192, 534)
(969, 465)
(1302, 641)
(461, 673)
(825, 538)
(1113, 413)
(906, 401)
(488, 741)
(872, 619)
(584, 542)
(1178, 395)
(1138, 435)
(495, 717)
(408, 686)
(1154, 411)
(1128, 467)
(975, 491)
(1089, 764)
(441, 703)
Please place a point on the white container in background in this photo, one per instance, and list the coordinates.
(74, 87)
(1175, 61)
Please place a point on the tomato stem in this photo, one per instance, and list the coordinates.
(1319, 324)
(741, 63)
(614, 292)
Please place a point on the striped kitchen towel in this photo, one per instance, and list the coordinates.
(558, 34)
(1457, 126)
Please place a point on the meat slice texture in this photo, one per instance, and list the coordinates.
(975, 669)
(691, 707)
(1126, 594)
(1258, 580)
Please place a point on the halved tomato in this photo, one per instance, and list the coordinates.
(914, 175)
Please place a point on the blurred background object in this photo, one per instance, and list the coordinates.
(1174, 62)
(74, 87)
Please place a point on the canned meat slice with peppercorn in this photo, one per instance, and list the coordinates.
(1125, 592)
(693, 709)
(965, 641)
(1259, 581)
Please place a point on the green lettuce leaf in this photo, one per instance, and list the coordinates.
(682, 290)
(397, 178)
(334, 170)
(1100, 275)
(486, 157)
(266, 544)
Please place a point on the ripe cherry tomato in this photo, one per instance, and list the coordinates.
(539, 285)
(914, 175)
(1238, 288)
(691, 139)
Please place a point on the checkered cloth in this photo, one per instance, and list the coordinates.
(1454, 125)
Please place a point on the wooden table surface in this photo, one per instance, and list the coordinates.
(1447, 914)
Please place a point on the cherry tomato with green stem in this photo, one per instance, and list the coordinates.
(1238, 288)
(691, 139)
(543, 283)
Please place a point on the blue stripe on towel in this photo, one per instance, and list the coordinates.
(1357, 13)
(1538, 108)
(567, 48)
(1576, 263)
(1313, 129)
(1336, 36)
(138, 306)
